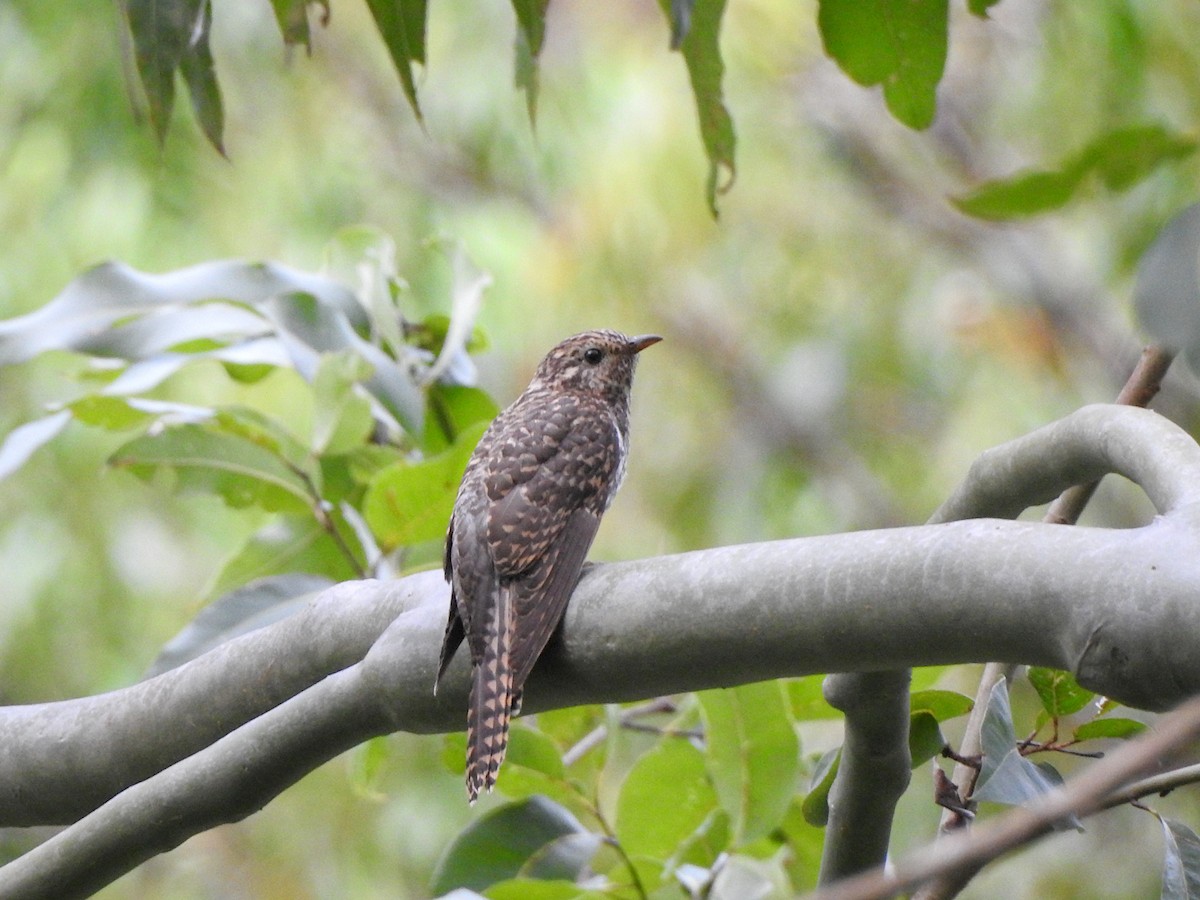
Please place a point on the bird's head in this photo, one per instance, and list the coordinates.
(594, 362)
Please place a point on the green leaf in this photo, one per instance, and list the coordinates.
(1181, 861)
(664, 801)
(341, 417)
(942, 705)
(160, 30)
(901, 45)
(925, 739)
(815, 807)
(753, 755)
(292, 16)
(196, 65)
(407, 503)
(807, 699)
(929, 707)
(291, 543)
(242, 473)
(499, 844)
(1119, 159)
(113, 413)
(401, 23)
(453, 409)
(253, 606)
(1059, 692)
(531, 32)
(980, 7)
(530, 749)
(1108, 728)
(701, 50)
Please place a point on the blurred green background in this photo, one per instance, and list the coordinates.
(839, 345)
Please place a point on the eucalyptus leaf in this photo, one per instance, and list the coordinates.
(1181, 861)
(701, 49)
(111, 293)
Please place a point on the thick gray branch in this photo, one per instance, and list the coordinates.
(1116, 607)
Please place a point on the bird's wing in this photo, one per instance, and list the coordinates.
(540, 597)
(534, 496)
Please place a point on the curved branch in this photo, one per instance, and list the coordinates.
(99, 743)
(1116, 607)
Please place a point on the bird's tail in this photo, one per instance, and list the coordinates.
(491, 706)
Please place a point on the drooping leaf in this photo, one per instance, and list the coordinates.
(1114, 727)
(753, 755)
(160, 30)
(1181, 861)
(1059, 692)
(23, 441)
(500, 843)
(239, 612)
(901, 46)
(664, 801)
(407, 503)
(364, 257)
(1006, 776)
(292, 17)
(199, 74)
(1119, 159)
(241, 472)
(531, 33)
(815, 807)
(701, 50)
(401, 23)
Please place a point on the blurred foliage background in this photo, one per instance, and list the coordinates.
(839, 345)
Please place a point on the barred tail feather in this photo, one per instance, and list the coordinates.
(491, 705)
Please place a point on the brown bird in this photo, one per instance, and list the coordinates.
(526, 513)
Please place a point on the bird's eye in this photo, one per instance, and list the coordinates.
(593, 355)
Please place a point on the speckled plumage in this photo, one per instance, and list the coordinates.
(527, 510)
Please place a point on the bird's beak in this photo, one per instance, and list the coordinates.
(642, 341)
